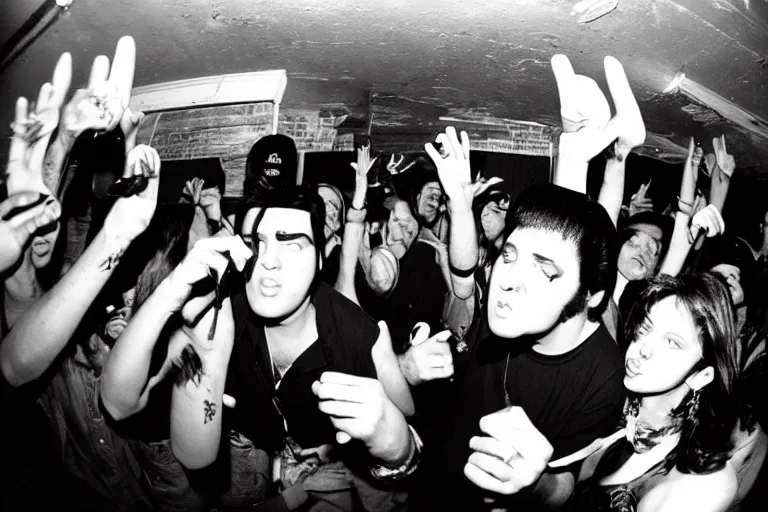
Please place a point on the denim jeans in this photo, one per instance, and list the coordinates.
(90, 450)
(335, 487)
(170, 487)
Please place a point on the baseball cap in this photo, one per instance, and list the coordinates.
(272, 161)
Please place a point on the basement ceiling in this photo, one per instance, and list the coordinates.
(422, 59)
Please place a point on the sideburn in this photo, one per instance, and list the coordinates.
(576, 305)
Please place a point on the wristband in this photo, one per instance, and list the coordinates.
(356, 216)
(462, 273)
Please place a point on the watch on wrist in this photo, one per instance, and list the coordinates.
(381, 472)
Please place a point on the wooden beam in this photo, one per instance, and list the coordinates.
(256, 87)
(727, 109)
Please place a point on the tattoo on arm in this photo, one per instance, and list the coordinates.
(110, 262)
(189, 367)
(210, 411)
(53, 164)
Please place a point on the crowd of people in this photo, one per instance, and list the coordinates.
(425, 341)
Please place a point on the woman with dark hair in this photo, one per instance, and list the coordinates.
(680, 371)
(148, 356)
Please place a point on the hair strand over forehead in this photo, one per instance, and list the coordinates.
(577, 219)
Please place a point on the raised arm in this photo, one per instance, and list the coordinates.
(681, 243)
(355, 227)
(46, 327)
(198, 396)
(455, 176)
(588, 127)
(612, 190)
(108, 92)
(32, 129)
(722, 174)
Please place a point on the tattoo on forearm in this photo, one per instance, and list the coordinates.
(210, 411)
(189, 367)
(110, 262)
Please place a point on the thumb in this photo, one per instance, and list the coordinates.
(419, 334)
(343, 437)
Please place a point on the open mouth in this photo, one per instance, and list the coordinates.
(268, 287)
(40, 247)
(640, 261)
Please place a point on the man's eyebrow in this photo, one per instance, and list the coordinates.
(282, 236)
(550, 261)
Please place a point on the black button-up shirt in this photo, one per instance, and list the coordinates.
(346, 335)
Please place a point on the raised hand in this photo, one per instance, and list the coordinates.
(21, 175)
(696, 156)
(587, 124)
(454, 169)
(360, 409)
(364, 163)
(19, 220)
(512, 457)
(639, 201)
(428, 358)
(130, 216)
(210, 200)
(393, 164)
(193, 189)
(725, 162)
(207, 256)
(129, 125)
(101, 105)
(709, 220)
(32, 132)
(46, 113)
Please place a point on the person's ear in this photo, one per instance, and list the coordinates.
(594, 300)
(701, 378)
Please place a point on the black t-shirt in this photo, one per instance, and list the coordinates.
(418, 296)
(572, 399)
(346, 337)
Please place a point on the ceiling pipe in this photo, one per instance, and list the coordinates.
(31, 30)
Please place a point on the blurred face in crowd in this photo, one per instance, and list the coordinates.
(534, 279)
(639, 256)
(493, 215)
(42, 248)
(665, 350)
(401, 229)
(732, 275)
(429, 201)
(286, 261)
(333, 210)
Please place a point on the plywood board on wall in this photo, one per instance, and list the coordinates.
(228, 132)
